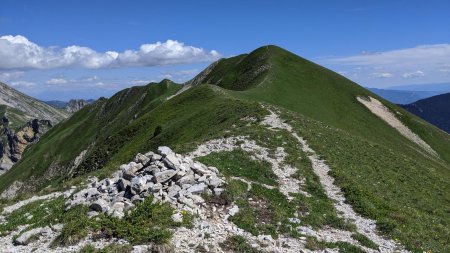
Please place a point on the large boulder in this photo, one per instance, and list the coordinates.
(163, 176)
(100, 205)
(164, 151)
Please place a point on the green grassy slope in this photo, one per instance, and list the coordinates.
(314, 91)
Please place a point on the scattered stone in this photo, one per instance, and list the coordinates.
(164, 151)
(177, 217)
(99, 205)
(233, 211)
(142, 159)
(26, 237)
(198, 188)
(163, 176)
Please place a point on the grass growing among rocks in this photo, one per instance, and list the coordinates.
(147, 223)
(238, 244)
(237, 163)
(313, 244)
(111, 248)
(36, 214)
(364, 241)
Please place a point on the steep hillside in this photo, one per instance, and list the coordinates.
(30, 107)
(307, 159)
(24, 120)
(435, 110)
(89, 135)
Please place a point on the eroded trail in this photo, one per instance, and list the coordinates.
(364, 226)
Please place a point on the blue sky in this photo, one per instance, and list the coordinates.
(86, 49)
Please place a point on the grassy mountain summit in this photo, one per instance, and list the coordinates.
(384, 174)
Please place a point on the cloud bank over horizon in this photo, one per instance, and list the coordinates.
(420, 64)
(18, 53)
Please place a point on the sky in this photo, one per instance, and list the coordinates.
(58, 50)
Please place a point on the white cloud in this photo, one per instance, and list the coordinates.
(417, 73)
(381, 75)
(425, 54)
(17, 52)
(57, 81)
(420, 64)
(90, 79)
(22, 84)
(10, 75)
(141, 82)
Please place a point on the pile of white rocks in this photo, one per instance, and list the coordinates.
(166, 176)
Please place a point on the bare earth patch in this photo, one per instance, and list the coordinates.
(377, 108)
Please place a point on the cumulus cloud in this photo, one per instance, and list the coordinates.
(381, 75)
(417, 73)
(17, 52)
(57, 81)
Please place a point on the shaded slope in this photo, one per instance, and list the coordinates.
(435, 110)
(88, 128)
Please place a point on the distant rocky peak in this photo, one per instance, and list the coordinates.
(75, 105)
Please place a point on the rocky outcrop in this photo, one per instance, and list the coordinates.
(166, 176)
(75, 105)
(14, 142)
(29, 107)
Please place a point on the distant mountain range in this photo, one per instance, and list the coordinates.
(435, 110)
(439, 87)
(71, 106)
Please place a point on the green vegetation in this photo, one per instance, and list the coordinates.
(313, 244)
(238, 244)
(364, 241)
(111, 248)
(267, 211)
(147, 223)
(382, 184)
(238, 163)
